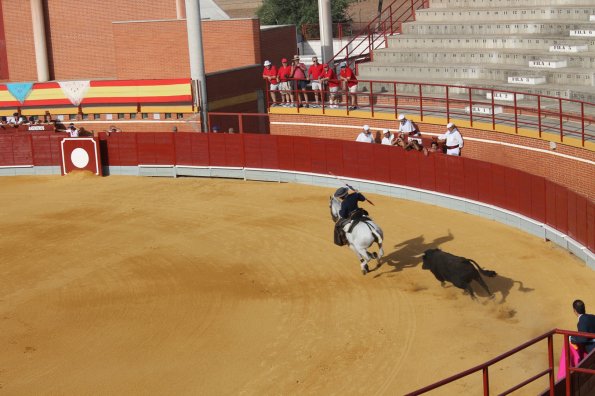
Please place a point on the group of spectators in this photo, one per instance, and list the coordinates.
(18, 119)
(408, 136)
(288, 84)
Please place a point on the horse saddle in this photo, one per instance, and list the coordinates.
(356, 217)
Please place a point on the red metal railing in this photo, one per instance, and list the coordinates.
(484, 368)
(239, 122)
(375, 34)
(311, 31)
(545, 114)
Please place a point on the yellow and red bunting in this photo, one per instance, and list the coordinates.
(106, 93)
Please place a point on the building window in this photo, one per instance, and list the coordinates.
(85, 116)
(132, 116)
(179, 115)
(145, 116)
(120, 116)
(72, 117)
(167, 116)
(97, 116)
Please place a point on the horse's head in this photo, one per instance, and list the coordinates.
(335, 205)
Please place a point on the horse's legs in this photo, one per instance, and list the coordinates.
(364, 257)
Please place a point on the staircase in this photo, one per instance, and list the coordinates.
(544, 47)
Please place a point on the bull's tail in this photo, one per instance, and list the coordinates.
(488, 273)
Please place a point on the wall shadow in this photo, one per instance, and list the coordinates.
(408, 254)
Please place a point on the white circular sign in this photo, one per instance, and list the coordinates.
(79, 157)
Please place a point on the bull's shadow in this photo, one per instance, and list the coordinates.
(408, 254)
(500, 284)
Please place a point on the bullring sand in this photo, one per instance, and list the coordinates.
(130, 285)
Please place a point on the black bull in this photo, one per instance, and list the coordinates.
(460, 271)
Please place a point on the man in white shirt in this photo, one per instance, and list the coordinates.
(72, 130)
(387, 137)
(365, 136)
(453, 140)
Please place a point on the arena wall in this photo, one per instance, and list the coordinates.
(572, 167)
(507, 195)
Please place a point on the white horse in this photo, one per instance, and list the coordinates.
(363, 235)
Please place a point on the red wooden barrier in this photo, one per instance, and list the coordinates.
(521, 192)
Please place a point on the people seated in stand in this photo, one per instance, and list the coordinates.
(387, 138)
(434, 147)
(47, 118)
(16, 120)
(365, 136)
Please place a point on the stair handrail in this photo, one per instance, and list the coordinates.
(549, 371)
(375, 34)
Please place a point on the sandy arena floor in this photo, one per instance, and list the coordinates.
(130, 285)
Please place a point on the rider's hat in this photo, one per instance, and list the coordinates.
(341, 192)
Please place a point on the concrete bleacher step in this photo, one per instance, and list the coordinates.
(470, 4)
(489, 27)
(495, 72)
(583, 32)
(492, 41)
(569, 48)
(548, 63)
(408, 85)
(508, 14)
(480, 56)
(527, 80)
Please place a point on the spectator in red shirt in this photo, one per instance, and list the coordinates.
(284, 83)
(349, 84)
(315, 73)
(330, 78)
(270, 76)
(298, 72)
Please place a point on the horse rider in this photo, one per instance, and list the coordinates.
(349, 211)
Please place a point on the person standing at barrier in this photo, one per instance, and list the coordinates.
(269, 74)
(315, 73)
(365, 136)
(453, 140)
(349, 83)
(72, 131)
(329, 77)
(284, 83)
(298, 73)
(586, 324)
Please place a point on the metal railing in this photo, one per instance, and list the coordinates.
(311, 31)
(484, 368)
(565, 118)
(239, 122)
(375, 34)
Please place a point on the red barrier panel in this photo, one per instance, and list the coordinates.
(524, 189)
(412, 168)
(285, 149)
(442, 178)
(270, 151)
(499, 185)
(581, 219)
(538, 198)
(550, 203)
(511, 187)
(471, 172)
(561, 223)
(591, 226)
(302, 160)
(334, 152)
(427, 168)
(252, 151)
(183, 144)
(46, 149)
(350, 159)
(382, 154)
(398, 174)
(572, 209)
(156, 148)
(484, 182)
(234, 149)
(6, 150)
(122, 149)
(200, 149)
(366, 162)
(23, 155)
(217, 153)
(456, 173)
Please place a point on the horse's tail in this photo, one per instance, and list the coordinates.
(488, 273)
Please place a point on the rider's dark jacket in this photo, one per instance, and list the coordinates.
(349, 204)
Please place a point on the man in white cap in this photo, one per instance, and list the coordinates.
(453, 139)
(365, 136)
(269, 74)
(387, 137)
(409, 128)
